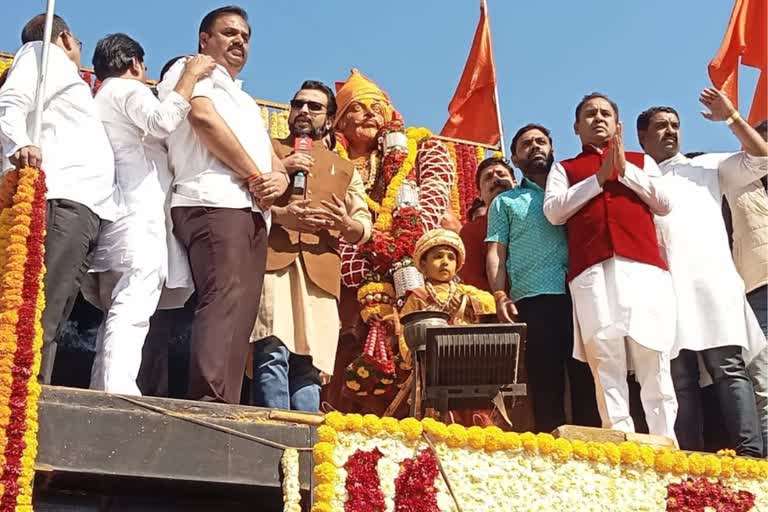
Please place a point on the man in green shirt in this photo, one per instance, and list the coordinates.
(526, 265)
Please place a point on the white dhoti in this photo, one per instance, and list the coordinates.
(302, 315)
(126, 281)
(624, 318)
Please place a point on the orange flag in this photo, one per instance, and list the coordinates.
(473, 112)
(747, 39)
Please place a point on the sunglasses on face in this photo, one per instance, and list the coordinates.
(313, 106)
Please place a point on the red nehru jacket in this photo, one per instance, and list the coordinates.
(616, 222)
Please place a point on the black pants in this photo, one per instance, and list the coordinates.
(71, 233)
(735, 395)
(227, 250)
(549, 358)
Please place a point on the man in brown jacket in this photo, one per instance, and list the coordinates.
(297, 330)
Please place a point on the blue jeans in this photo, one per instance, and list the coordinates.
(282, 380)
(758, 368)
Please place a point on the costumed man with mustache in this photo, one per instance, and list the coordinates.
(623, 300)
(527, 264)
(297, 330)
(715, 324)
(370, 133)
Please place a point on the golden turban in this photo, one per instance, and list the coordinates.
(436, 238)
(360, 88)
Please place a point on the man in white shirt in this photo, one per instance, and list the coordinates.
(623, 301)
(714, 321)
(76, 156)
(213, 153)
(137, 254)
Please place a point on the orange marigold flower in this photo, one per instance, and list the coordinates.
(630, 452)
(612, 453)
(680, 464)
(580, 449)
(665, 461)
(596, 451)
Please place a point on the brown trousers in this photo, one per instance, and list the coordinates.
(227, 251)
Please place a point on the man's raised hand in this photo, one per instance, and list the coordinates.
(28, 156)
(720, 107)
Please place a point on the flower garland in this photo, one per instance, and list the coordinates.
(487, 466)
(291, 486)
(455, 198)
(22, 232)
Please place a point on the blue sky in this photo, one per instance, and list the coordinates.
(548, 52)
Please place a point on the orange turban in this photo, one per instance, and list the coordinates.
(360, 88)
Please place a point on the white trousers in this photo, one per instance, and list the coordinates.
(608, 361)
(128, 299)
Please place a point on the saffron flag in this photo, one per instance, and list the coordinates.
(746, 39)
(473, 112)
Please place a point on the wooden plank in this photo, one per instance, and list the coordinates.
(87, 432)
(602, 435)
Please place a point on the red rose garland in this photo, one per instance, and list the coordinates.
(415, 485)
(698, 495)
(363, 485)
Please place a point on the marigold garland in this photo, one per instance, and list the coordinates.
(22, 232)
(669, 465)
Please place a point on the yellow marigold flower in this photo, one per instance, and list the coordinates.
(726, 466)
(326, 433)
(372, 424)
(612, 453)
(580, 449)
(696, 464)
(753, 468)
(763, 467)
(596, 451)
(726, 452)
(322, 507)
(354, 422)
(680, 464)
(563, 449)
(647, 456)
(511, 441)
(712, 466)
(390, 424)
(436, 429)
(324, 493)
(362, 372)
(322, 452)
(476, 437)
(665, 461)
(740, 467)
(493, 439)
(546, 443)
(336, 421)
(411, 428)
(630, 452)
(325, 473)
(529, 442)
(353, 385)
(457, 436)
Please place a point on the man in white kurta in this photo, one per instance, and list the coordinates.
(622, 295)
(715, 323)
(136, 255)
(75, 154)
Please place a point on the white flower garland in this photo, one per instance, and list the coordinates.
(291, 485)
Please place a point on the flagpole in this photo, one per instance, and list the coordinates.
(40, 94)
(484, 6)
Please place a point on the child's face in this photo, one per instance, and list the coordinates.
(440, 264)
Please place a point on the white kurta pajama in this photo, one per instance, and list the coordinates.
(137, 254)
(712, 306)
(624, 310)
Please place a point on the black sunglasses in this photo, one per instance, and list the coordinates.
(313, 106)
